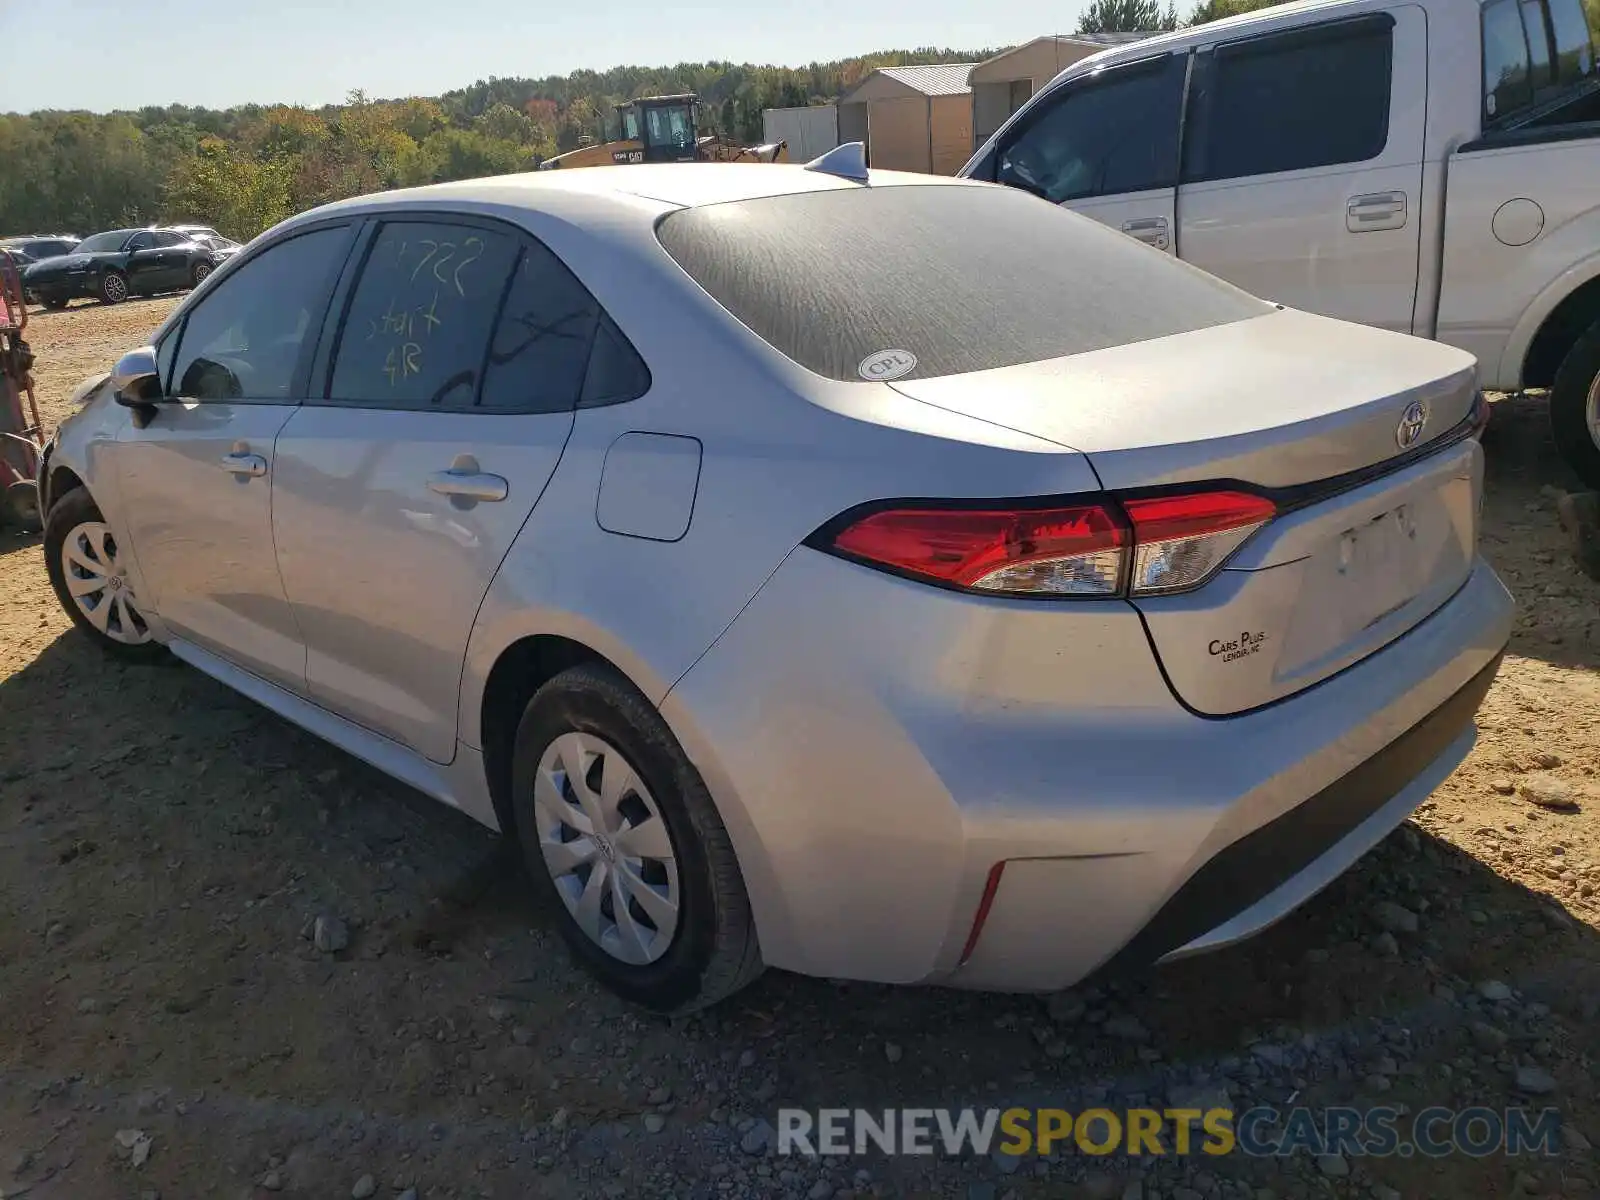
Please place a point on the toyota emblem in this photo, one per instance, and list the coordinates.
(1411, 424)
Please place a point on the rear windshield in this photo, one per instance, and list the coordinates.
(914, 282)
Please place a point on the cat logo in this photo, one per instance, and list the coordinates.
(627, 156)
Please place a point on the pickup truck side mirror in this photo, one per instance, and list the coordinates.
(136, 383)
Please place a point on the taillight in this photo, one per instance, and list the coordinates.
(1075, 551)
(1181, 541)
(1099, 548)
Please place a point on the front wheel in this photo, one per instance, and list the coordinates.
(89, 575)
(113, 288)
(201, 270)
(1575, 407)
(617, 828)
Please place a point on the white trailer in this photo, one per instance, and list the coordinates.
(809, 131)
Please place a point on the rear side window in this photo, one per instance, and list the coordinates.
(1575, 60)
(1507, 78)
(957, 278)
(1103, 137)
(540, 351)
(1290, 102)
(416, 334)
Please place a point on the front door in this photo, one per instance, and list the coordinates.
(398, 492)
(196, 480)
(146, 271)
(1106, 146)
(1302, 173)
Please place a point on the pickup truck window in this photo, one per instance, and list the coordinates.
(1114, 134)
(1533, 51)
(1290, 102)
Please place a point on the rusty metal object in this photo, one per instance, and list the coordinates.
(21, 431)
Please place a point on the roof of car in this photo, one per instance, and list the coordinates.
(679, 185)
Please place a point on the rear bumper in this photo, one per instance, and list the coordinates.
(875, 753)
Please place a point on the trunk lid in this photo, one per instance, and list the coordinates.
(1374, 531)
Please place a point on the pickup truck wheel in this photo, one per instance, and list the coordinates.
(1575, 407)
(617, 830)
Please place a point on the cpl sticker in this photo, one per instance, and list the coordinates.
(886, 365)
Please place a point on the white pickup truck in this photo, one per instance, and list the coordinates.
(1431, 167)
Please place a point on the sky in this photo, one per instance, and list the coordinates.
(112, 54)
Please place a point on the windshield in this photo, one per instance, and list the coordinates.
(942, 279)
(105, 241)
(670, 126)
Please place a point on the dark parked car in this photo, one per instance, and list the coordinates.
(30, 248)
(120, 263)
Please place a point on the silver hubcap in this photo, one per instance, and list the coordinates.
(1592, 410)
(115, 289)
(606, 847)
(98, 584)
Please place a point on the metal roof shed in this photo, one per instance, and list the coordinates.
(911, 118)
(1004, 83)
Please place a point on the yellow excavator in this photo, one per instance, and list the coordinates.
(664, 129)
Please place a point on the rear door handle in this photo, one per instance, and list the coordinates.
(242, 463)
(1152, 231)
(465, 481)
(1377, 210)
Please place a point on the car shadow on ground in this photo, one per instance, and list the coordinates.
(78, 304)
(182, 837)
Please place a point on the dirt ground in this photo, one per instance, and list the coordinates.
(163, 844)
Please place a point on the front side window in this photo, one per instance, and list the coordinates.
(244, 340)
(142, 241)
(416, 334)
(1291, 102)
(1104, 137)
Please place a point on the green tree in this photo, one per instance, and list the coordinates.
(239, 196)
(1215, 10)
(1127, 16)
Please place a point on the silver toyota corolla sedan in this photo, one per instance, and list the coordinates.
(876, 576)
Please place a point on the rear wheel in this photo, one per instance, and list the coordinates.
(89, 575)
(617, 829)
(113, 287)
(1575, 407)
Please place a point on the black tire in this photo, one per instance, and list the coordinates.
(714, 951)
(66, 514)
(1569, 402)
(113, 287)
(20, 505)
(57, 304)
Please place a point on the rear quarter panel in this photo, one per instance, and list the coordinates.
(1522, 232)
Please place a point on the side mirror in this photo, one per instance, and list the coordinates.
(137, 378)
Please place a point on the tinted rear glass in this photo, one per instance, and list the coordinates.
(963, 278)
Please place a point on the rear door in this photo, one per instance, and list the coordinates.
(1105, 145)
(1302, 165)
(457, 359)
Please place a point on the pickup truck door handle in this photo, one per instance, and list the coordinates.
(241, 462)
(1152, 231)
(464, 481)
(1378, 210)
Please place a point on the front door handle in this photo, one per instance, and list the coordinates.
(1152, 231)
(464, 481)
(1378, 210)
(242, 463)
